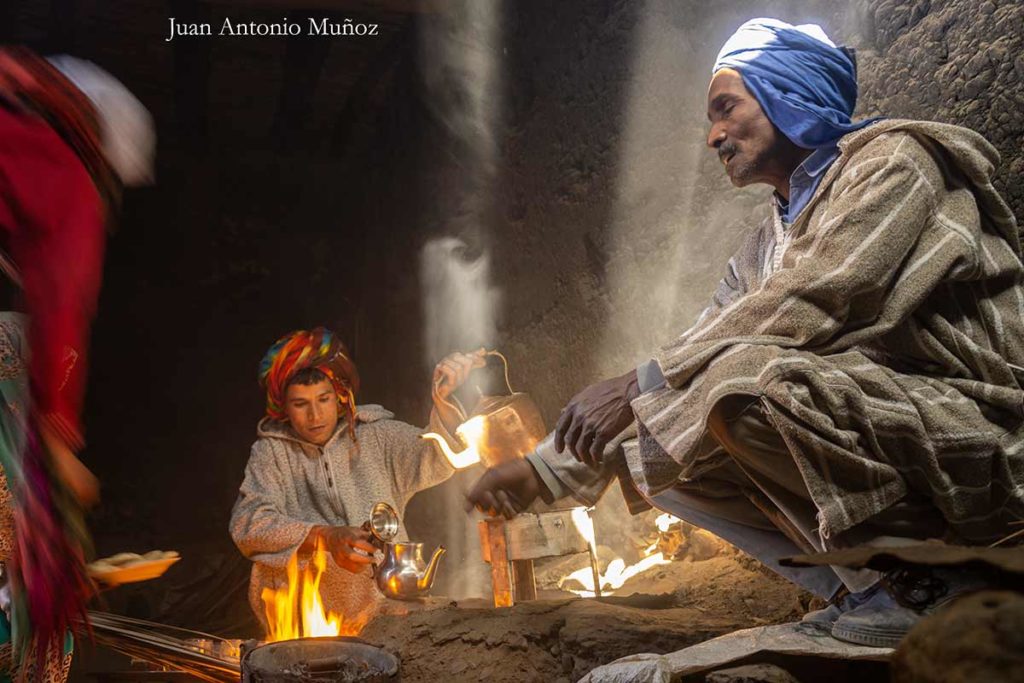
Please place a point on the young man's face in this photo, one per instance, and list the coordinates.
(312, 410)
(751, 148)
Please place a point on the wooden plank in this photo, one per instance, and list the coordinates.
(501, 579)
(547, 534)
(524, 586)
(485, 546)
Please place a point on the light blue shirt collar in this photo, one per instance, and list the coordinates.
(804, 181)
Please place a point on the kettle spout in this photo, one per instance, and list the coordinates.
(427, 580)
(464, 458)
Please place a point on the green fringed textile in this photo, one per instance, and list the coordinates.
(45, 568)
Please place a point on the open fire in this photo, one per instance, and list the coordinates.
(473, 433)
(617, 572)
(297, 610)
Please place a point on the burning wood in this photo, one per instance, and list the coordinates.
(296, 610)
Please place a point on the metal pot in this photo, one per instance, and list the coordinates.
(512, 427)
(313, 660)
(512, 424)
(403, 574)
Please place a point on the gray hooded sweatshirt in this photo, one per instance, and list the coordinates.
(292, 485)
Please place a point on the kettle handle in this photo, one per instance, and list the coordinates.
(457, 405)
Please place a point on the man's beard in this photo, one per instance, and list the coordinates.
(746, 168)
(739, 170)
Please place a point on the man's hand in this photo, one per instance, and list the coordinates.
(349, 546)
(595, 416)
(453, 370)
(449, 375)
(506, 489)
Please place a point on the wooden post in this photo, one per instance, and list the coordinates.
(595, 566)
(524, 586)
(512, 545)
(501, 579)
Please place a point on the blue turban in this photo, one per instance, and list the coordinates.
(804, 83)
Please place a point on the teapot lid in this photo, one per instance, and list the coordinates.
(383, 522)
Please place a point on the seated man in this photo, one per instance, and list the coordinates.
(321, 463)
(857, 377)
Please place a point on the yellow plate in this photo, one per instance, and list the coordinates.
(140, 571)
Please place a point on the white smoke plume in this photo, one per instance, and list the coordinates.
(459, 303)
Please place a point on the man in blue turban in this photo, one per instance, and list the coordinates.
(857, 375)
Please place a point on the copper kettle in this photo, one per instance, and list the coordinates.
(500, 428)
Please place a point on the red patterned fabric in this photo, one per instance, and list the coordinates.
(52, 225)
(30, 83)
(52, 221)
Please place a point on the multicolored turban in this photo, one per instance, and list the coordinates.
(806, 85)
(319, 349)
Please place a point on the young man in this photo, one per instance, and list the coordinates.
(321, 462)
(859, 373)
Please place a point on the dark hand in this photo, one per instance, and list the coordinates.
(595, 416)
(506, 489)
(349, 546)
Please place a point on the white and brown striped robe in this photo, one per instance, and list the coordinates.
(884, 331)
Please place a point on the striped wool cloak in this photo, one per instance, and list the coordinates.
(883, 331)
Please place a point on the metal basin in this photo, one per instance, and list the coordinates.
(312, 660)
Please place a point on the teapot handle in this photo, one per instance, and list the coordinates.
(457, 405)
(505, 362)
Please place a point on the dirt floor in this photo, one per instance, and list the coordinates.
(560, 638)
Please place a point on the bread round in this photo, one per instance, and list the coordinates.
(123, 558)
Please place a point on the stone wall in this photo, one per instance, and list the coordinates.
(956, 61)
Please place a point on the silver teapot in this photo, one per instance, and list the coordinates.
(402, 574)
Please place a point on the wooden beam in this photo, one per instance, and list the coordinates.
(501, 579)
(524, 585)
(530, 536)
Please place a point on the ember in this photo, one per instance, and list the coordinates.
(297, 611)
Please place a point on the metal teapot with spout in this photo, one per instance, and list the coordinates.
(402, 574)
(509, 427)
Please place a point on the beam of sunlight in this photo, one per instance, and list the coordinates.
(661, 264)
(460, 66)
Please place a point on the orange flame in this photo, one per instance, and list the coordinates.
(297, 610)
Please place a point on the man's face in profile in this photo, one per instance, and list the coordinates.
(746, 141)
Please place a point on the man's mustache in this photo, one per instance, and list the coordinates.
(726, 149)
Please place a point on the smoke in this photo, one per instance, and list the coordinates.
(460, 69)
(667, 241)
(458, 301)
(460, 64)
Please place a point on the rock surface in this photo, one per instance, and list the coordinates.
(957, 61)
(539, 641)
(751, 673)
(674, 606)
(978, 638)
